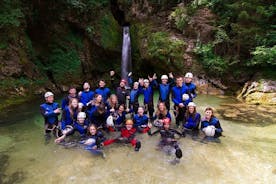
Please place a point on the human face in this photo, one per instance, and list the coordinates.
(72, 92)
(208, 114)
(191, 109)
(102, 84)
(75, 103)
(135, 85)
(179, 81)
(121, 108)
(164, 81)
(162, 106)
(86, 86)
(129, 126)
(81, 120)
(188, 80)
(50, 99)
(146, 84)
(92, 130)
(114, 99)
(122, 84)
(140, 111)
(166, 126)
(99, 99)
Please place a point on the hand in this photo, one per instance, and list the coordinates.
(170, 75)
(128, 97)
(57, 111)
(112, 110)
(154, 77)
(150, 78)
(149, 125)
(112, 73)
(129, 74)
(181, 105)
(141, 81)
(80, 93)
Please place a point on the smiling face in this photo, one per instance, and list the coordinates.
(135, 85)
(102, 84)
(99, 98)
(92, 130)
(146, 84)
(162, 107)
(208, 114)
(164, 81)
(129, 126)
(74, 103)
(166, 126)
(140, 111)
(121, 108)
(179, 81)
(86, 86)
(191, 109)
(81, 120)
(50, 99)
(73, 92)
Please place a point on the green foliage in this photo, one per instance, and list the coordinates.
(180, 17)
(111, 34)
(10, 14)
(164, 48)
(86, 5)
(215, 64)
(264, 56)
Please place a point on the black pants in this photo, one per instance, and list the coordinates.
(179, 114)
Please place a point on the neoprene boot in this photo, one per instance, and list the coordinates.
(137, 146)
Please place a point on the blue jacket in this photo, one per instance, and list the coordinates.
(120, 118)
(82, 129)
(67, 119)
(105, 92)
(134, 95)
(47, 111)
(191, 87)
(140, 120)
(160, 116)
(96, 118)
(164, 91)
(192, 123)
(86, 96)
(213, 121)
(177, 93)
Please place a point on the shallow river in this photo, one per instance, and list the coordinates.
(246, 154)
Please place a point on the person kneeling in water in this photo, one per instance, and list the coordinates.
(168, 139)
(127, 136)
(210, 125)
(141, 121)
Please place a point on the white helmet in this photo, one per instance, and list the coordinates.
(81, 115)
(80, 105)
(47, 94)
(165, 77)
(191, 104)
(185, 97)
(189, 75)
(146, 81)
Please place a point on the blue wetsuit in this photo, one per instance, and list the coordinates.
(67, 119)
(164, 92)
(82, 129)
(177, 93)
(191, 90)
(47, 111)
(86, 96)
(191, 122)
(215, 122)
(96, 117)
(105, 92)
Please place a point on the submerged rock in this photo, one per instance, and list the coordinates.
(247, 113)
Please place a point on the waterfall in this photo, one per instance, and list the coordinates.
(126, 53)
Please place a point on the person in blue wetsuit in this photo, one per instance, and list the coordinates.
(191, 87)
(141, 121)
(50, 111)
(165, 88)
(134, 95)
(86, 95)
(211, 120)
(119, 117)
(179, 103)
(112, 104)
(160, 114)
(80, 125)
(191, 120)
(104, 91)
(147, 91)
(72, 94)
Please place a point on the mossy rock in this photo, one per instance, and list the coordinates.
(261, 98)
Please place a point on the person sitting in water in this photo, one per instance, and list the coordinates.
(210, 121)
(161, 114)
(127, 136)
(50, 111)
(119, 117)
(141, 121)
(72, 94)
(102, 90)
(86, 95)
(191, 87)
(168, 143)
(80, 125)
(191, 119)
(178, 92)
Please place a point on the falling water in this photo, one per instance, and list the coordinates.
(126, 53)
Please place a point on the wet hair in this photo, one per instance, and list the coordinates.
(159, 113)
(91, 125)
(187, 114)
(71, 109)
(210, 109)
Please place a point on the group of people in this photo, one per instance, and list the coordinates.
(96, 114)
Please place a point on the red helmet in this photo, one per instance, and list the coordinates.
(124, 81)
(166, 121)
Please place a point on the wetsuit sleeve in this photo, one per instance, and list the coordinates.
(218, 127)
(198, 121)
(130, 81)
(154, 84)
(155, 132)
(45, 113)
(63, 103)
(174, 99)
(178, 133)
(171, 82)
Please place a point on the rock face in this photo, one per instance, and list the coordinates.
(259, 92)
(209, 86)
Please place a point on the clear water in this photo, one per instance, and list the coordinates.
(247, 154)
